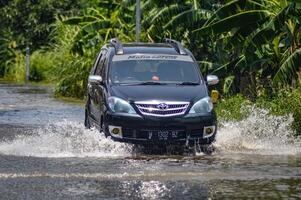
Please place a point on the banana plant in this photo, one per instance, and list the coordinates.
(176, 19)
(97, 25)
(261, 37)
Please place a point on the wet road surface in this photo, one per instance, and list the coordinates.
(46, 153)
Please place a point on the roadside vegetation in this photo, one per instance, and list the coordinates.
(254, 46)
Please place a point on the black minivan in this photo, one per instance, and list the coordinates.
(150, 93)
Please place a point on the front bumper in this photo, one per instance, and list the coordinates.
(143, 129)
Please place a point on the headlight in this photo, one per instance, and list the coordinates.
(202, 106)
(120, 106)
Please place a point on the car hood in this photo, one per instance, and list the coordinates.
(159, 92)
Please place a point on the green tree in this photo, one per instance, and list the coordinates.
(29, 23)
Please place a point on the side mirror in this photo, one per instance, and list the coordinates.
(212, 80)
(96, 79)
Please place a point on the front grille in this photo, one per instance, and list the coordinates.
(163, 109)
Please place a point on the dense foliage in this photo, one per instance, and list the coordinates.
(254, 46)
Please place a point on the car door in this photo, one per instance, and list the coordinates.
(90, 91)
(97, 89)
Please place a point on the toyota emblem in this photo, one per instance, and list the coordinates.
(162, 106)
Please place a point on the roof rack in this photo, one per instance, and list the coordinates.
(177, 45)
(117, 45)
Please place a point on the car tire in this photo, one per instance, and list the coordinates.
(103, 129)
(207, 149)
(101, 125)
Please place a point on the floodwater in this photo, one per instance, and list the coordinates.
(46, 153)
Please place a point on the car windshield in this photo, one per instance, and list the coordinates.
(153, 71)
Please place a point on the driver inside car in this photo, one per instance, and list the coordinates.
(122, 74)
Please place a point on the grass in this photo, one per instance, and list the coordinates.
(15, 70)
(231, 108)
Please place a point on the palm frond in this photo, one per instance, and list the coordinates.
(235, 21)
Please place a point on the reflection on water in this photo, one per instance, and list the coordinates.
(146, 189)
(114, 189)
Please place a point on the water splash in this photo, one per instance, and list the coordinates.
(64, 139)
(259, 133)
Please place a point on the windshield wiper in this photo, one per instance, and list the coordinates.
(151, 83)
(188, 83)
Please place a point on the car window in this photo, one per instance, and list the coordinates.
(100, 64)
(103, 71)
(165, 71)
(95, 62)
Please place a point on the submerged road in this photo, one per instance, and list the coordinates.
(46, 153)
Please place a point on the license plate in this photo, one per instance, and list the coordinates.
(163, 134)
